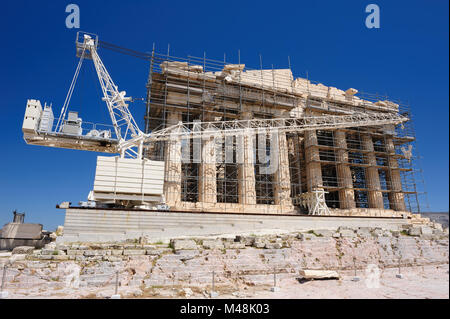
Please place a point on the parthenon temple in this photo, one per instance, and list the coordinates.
(354, 171)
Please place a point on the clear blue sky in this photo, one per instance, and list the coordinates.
(407, 58)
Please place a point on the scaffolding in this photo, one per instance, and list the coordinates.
(359, 170)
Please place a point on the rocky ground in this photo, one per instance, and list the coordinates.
(242, 266)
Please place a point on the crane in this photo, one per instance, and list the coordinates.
(129, 141)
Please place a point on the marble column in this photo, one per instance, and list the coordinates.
(396, 197)
(172, 174)
(344, 174)
(375, 196)
(281, 178)
(246, 169)
(207, 184)
(313, 169)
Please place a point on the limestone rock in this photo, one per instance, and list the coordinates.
(364, 232)
(319, 274)
(273, 245)
(425, 230)
(23, 250)
(247, 240)
(305, 236)
(324, 232)
(187, 292)
(213, 244)
(183, 244)
(347, 233)
(133, 252)
(414, 231)
(259, 243)
(236, 246)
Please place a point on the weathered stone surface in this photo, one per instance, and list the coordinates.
(305, 236)
(259, 243)
(324, 232)
(163, 267)
(414, 231)
(273, 246)
(233, 245)
(60, 257)
(23, 250)
(133, 252)
(112, 258)
(157, 251)
(91, 253)
(347, 233)
(425, 230)
(377, 232)
(247, 240)
(319, 274)
(364, 232)
(74, 252)
(213, 244)
(183, 244)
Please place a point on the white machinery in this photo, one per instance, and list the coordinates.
(132, 179)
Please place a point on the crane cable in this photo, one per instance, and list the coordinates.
(69, 94)
(119, 49)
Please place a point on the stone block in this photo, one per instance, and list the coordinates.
(319, 274)
(259, 243)
(273, 246)
(92, 253)
(324, 232)
(62, 247)
(396, 233)
(364, 232)
(117, 252)
(156, 251)
(347, 233)
(112, 258)
(60, 257)
(414, 231)
(133, 252)
(22, 231)
(247, 240)
(305, 236)
(439, 234)
(74, 252)
(214, 244)
(183, 244)
(45, 257)
(236, 246)
(23, 250)
(425, 230)
(377, 232)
